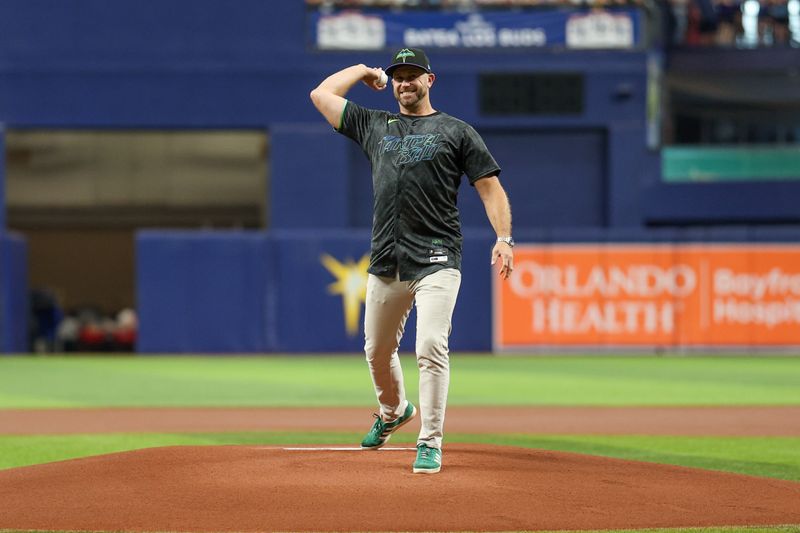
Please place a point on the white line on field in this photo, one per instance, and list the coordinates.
(344, 449)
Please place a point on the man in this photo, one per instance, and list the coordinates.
(418, 157)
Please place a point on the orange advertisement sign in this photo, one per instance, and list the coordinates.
(667, 295)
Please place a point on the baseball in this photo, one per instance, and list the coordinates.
(384, 79)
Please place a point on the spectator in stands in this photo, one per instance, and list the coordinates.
(125, 331)
(667, 24)
(776, 22)
(68, 333)
(729, 20)
(701, 24)
(45, 315)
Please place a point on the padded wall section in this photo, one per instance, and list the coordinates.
(319, 279)
(2, 178)
(301, 291)
(318, 289)
(13, 294)
(309, 187)
(553, 178)
(202, 291)
(717, 203)
(294, 291)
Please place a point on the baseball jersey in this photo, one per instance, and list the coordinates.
(417, 166)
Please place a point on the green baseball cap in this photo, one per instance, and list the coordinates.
(409, 56)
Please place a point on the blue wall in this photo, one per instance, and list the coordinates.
(13, 294)
(2, 177)
(202, 291)
(251, 292)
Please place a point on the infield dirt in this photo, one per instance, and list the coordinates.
(481, 488)
(707, 421)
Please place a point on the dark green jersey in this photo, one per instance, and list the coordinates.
(417, 165)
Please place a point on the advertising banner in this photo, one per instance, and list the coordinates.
(672, 295)
(374, 29)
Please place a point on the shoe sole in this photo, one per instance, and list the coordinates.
(427, 470)
(401, 424)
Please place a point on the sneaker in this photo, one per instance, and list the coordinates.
(429, 460)
(381, 431)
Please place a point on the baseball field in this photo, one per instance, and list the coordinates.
(175, 444)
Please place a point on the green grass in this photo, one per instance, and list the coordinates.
(777, 457)
(56, 382)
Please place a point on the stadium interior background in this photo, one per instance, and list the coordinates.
(166, 185)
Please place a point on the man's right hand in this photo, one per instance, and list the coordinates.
(374, 79)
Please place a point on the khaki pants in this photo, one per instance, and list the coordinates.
(388, 304)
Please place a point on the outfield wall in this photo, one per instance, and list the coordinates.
(287, 291)
(13, 294)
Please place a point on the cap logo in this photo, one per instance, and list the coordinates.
(403, 54)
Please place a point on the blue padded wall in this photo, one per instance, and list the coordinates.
(202, 291)
(311, 318)
(241, 292)
(553, 177)
(2, 178)
(13, 294)
(306, 189)
(308, 316)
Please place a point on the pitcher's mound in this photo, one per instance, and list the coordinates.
(480, 488)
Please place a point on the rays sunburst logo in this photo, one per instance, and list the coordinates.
(351, 284)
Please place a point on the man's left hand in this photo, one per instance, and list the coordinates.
(505, 254)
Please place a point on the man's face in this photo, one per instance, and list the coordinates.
(411, 85)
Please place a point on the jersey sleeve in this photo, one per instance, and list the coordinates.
(356, 122)
(477, 161)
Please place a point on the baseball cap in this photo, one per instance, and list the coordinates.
(409, 56)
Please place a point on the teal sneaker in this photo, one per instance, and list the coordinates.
(381, 431)
(429, 460)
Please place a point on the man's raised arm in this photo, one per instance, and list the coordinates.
(328, 97)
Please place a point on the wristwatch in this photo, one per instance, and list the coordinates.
(508, 240)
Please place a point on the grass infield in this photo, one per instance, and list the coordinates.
(776, 457)
(54, 382)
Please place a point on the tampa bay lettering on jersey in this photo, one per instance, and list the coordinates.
(411, 148)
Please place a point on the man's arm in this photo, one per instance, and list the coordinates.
(498, 210)
(328, 97)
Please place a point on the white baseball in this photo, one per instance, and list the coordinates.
(384, 79)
